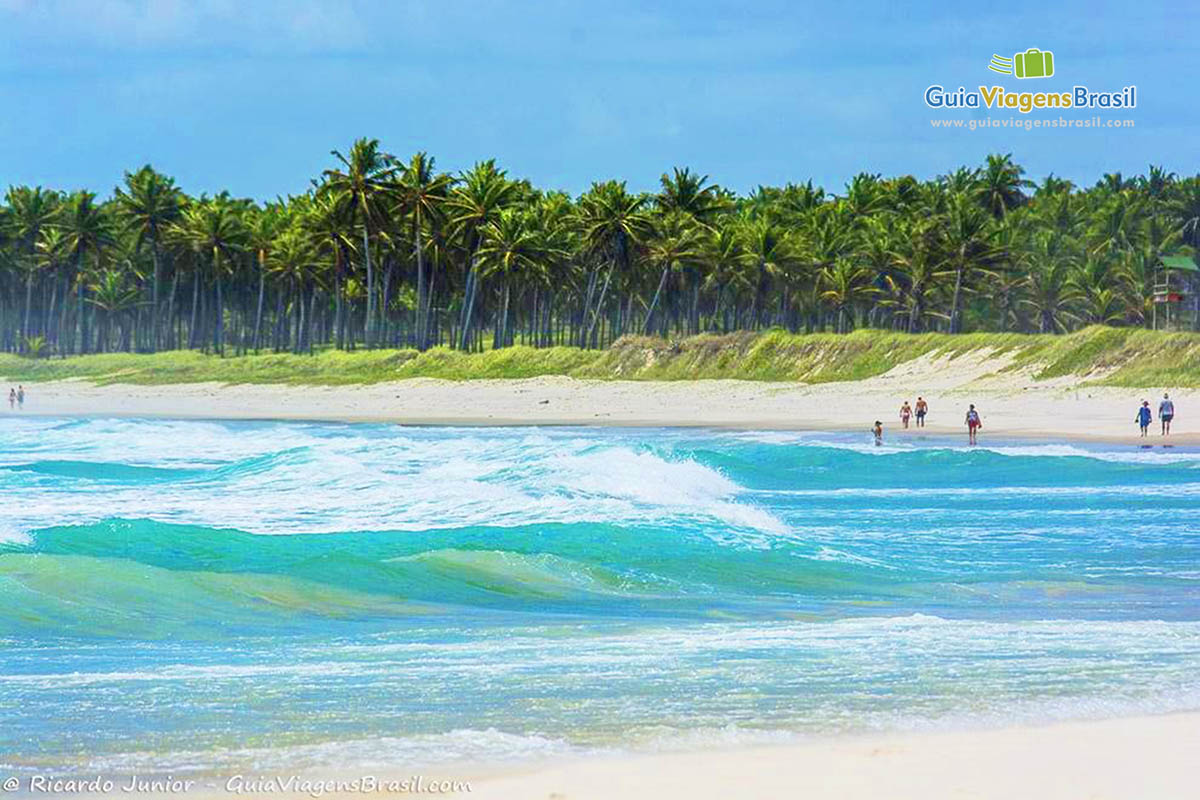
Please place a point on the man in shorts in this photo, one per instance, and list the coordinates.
(1166, 413)
(922, 410)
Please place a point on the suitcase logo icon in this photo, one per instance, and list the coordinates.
(1033, 63)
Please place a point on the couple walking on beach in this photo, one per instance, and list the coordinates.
(906, 412)
(16, 397)
(1166, 413)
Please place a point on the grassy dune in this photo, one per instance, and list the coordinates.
(1110, 356)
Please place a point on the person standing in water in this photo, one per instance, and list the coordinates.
(974, 423)
(878, 432)
(1143, 417)
(922, 409)
(20, 397)
(905, 413)
(1166, 413)
(12, 398)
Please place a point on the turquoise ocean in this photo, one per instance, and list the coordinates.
(181, 596)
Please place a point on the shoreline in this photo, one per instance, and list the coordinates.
(1142, 757)
(1139, 758)
(1043, 413)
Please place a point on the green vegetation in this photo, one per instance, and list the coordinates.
(387, 254)
(1121, 357)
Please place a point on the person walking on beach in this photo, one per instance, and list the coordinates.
(1143, 417)
(1166, 413)
(878, 432)
(20, 397)
(905, 414)
(974, 423)
(12, 398)
(922, 409)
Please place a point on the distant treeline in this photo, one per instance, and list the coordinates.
(387, 253)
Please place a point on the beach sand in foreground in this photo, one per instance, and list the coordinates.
(1143, 758)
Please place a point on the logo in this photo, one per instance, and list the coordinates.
(1033, 63)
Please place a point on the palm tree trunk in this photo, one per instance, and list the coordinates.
(155, 328)
(339, 320)
(219, 321)
(504, 317)
(258, 312)
(312, 315)
(62, 337)
(28, 308)
(956, 307)
(369, 327)
(422, 311)
(469, 306)
(195, 311)
(81, 297)
(590, 339)
(654, 303)
(171, 339)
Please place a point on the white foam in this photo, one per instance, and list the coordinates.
(1151, 454)
(290, 478)
(460, 746)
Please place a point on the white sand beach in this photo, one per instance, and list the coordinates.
(1012, 404)
(1144, 758)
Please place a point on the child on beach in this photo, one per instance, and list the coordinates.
(878, 432)
(905, 413)
(1166, 413)
(974, 423)
(1143, 417)
(922, 408)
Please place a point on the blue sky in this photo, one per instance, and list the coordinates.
(252, 95)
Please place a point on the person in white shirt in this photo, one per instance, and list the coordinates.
(1166, 413)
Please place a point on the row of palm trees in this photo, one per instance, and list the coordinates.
(384, 252)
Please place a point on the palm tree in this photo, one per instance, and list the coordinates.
(916, 277)
(31, 214)
(325, 217)
(478, 199)
(1001, 185)
(845, 283)
(1185, 207)
(86, 230)
(677, 243)
(148, 203)
(422, 193)
(30, 210)
(1097, 288)
(966, 236)
(770, 253)
(512, 248)
(1050, 261)
(263, 229)
(215, 232)
(726, 266)
(614, 227)
(294, 261)
(691, 194)
(113, 295)
(366, 179)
